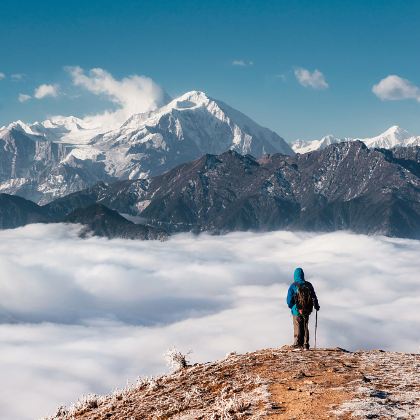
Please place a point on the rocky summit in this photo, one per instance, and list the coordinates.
(269, 384)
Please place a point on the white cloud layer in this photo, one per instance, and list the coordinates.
(394, 88)
(131, 95)
(81, 316)
(45, 90)
(315, 79)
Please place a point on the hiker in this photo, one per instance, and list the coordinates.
(301, 299)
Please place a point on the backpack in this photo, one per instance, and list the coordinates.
(303, 298)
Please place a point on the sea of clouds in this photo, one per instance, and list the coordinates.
(80, 316)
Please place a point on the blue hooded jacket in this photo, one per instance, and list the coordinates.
(299, 277)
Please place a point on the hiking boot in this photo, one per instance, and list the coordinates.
(306, 347)
(296, 346)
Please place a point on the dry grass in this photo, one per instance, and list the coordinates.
(272, 383)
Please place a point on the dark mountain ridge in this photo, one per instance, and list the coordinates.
(344, 186)
(16, 211)
(99, 220)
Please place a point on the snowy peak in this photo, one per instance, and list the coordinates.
(302, 146)
(149, 143)
(188, 101)
(18, 126)
(395, 136)
(64, 124)
(191, 99)
(184, 129)
(20, 129)
(71, 130)
(397, 132)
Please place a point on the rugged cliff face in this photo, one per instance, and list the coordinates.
(39, 169)
(272, 384)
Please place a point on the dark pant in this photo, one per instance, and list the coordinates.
(301, 330)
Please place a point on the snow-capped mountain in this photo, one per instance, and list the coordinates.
(69, 130)
(48, 159)
(184, 129)
(305, 146)
(395, 136)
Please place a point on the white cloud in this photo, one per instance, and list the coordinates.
(133, 94)
(393, 88)
(23, 97)
(315, 79)
(2, 76)
(17, 76)
(81, 316)
(242, 63)
(46, 90)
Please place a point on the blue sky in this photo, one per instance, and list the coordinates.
(192, 45)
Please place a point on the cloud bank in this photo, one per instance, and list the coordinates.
(131, 95)
(314, 80)
(45, 90)
(81, 316)
(394, 88)
(41, 92)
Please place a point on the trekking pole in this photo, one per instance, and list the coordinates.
(316, 325)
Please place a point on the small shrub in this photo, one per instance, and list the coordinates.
(176, 360)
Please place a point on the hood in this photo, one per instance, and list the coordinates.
(299, 275)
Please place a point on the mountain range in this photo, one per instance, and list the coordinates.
(196, 164)
(49, 159)
(393, 137)
(344, 186)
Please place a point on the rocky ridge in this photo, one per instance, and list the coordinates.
(345, 186)
(272, 384)
(95, 219)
